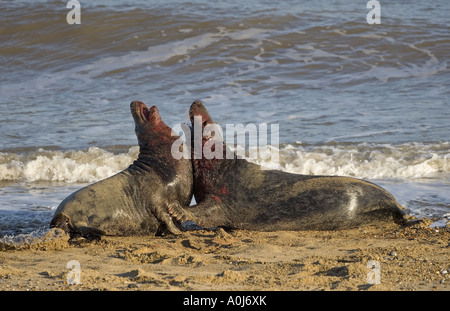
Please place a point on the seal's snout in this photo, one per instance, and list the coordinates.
(198, 109)
(139, 111)
(134, 105)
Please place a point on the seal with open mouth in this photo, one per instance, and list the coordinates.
(134, 201)
(235, 193)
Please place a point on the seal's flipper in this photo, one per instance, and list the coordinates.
(62, 221)
(164, 230)
(166, 224)
(91, 233)
(207, 214)
(179, 213)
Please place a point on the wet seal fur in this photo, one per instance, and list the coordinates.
(134, 201)
(237, 194)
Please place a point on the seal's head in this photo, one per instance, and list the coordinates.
(202, 121)
(150, 128)
(210, 157)
(198, 110)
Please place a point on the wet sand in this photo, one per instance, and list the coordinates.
(414, 258)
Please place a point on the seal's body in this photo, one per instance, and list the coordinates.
(235, 193)
(134, 201)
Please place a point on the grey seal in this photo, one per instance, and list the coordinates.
(237, 194)
(134, 201)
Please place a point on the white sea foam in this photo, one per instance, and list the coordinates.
(70, 166)
(371, 161)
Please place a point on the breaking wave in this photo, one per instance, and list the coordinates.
(69, 166)
(370, 161)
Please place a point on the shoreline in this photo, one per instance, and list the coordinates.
(412, 258)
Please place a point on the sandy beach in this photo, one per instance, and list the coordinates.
(403, 259)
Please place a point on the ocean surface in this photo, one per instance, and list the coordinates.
(350, 98)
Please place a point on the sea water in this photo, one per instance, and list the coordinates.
(351, 98)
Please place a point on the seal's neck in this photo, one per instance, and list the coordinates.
(210, 174)
(144, 163)
(154, 161)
